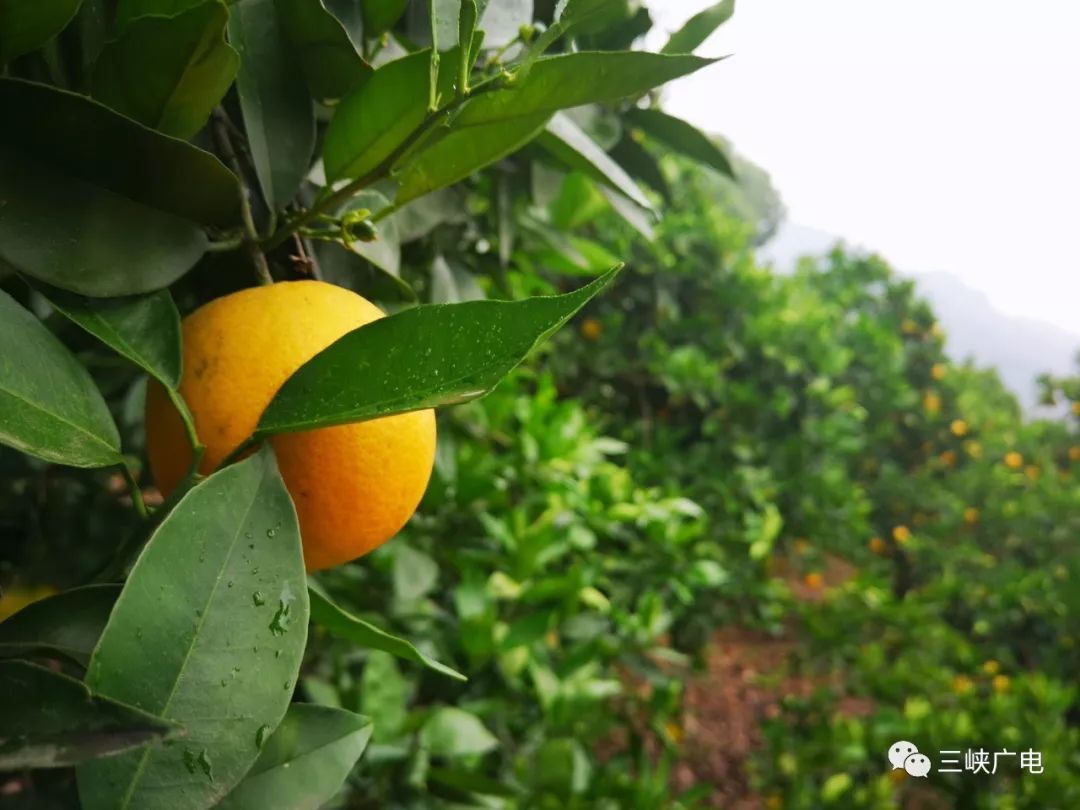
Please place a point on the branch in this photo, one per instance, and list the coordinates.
(251, 233)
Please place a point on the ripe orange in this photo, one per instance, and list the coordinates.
(591, 329)
(1013, 460)
(355, 485)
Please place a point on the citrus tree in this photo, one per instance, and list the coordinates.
(256, 166)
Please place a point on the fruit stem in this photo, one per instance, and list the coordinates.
(197, 448)
(251, 233)
(133, 486)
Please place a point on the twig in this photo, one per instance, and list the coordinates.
(330, 200)
(251, 233)
(133, 486)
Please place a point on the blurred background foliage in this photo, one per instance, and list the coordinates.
(716, 446)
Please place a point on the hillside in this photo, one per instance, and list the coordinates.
(1020, 348)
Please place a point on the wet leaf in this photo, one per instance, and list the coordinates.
(199, 649)
(424, 357)
(304, 762)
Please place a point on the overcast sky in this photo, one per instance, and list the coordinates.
(944, 134)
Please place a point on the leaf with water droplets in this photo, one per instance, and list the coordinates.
(196, 662)
(423, 357)
(304, 762)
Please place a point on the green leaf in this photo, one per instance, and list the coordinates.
(452, 285)
(502, 20)
(561, 766)
(338, 623)
(168, 72)
(385, 251)
(81, 237)
(372, 123)
(637, 160)
(569, 143)
(49, 406)
(684, 138)
(414, 573)
(349, 269)
(452, 732)
(128, 10)
(384, 695)
(216, 648)
(380, 15)
(119, 155)
(67, 624)
(26, 26)
(423, 357)
(699, 28)
(327, 55)
(462, 152)
(279, 117)
(144, 329)
(570, 80)
(304, 762)
(48, 720)
(470, 782)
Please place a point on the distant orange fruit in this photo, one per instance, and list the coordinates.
(814, 580)
(1074, 453)
(908, 326)
(962, 684)
(877, 545)
(1013, 460)
(931, 402)
(948, 458)
(971, 516)
(974, 449)
(959, 428)
(901, 534)
(1076, 408)
(991, 667)
(591, 329)
(938, 371)
(1000, 683)
(354, 485)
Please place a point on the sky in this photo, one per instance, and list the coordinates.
(942, 134)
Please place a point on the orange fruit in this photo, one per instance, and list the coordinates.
(877, 545)
(901, 534)
(355, 485)
(591, 329)
(938, 371)
(814, 580)
(1013, 460)
(959, 428)
(971, 516)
